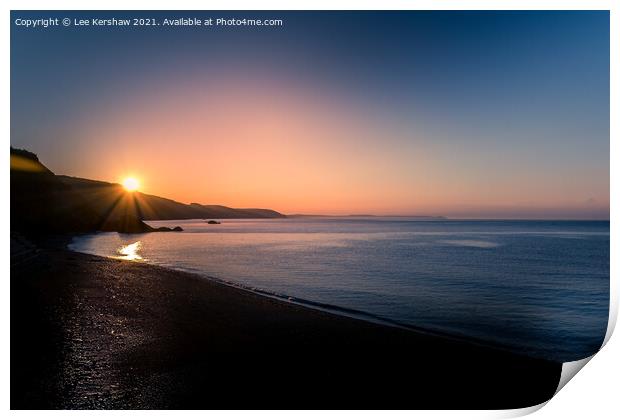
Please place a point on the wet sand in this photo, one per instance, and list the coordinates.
(91, 332)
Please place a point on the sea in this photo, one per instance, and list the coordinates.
(539, 288)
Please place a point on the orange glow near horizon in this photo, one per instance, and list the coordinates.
(301, 150)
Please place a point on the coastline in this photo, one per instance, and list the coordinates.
(106, 333)
(338, 311)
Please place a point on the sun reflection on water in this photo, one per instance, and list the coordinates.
(129, 252)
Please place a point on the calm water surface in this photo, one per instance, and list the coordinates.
(537, 287)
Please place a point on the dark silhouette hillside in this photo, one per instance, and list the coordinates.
(42, 202)
(151, 207)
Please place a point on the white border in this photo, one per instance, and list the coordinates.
(592, 394)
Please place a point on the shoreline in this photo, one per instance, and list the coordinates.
(101, 324)
(335, 310)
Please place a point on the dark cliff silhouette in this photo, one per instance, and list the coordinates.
(151, 207)
(43, 203)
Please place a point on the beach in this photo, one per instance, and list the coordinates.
(92, 332)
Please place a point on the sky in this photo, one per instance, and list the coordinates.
(460, 114)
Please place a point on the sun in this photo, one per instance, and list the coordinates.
(131, 184)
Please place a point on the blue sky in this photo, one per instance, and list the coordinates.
(510, 110)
